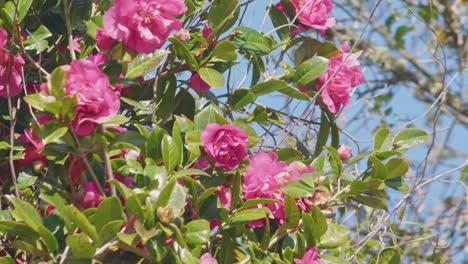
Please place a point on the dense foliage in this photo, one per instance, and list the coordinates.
(126, 138)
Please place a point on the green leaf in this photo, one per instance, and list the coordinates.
(4, 145)
(398, 184)
(251, 214)
(371, 201)
(278, 86)
(389, 256)
(333, 260)
(396, 167)
(73, 217)
(252, 42)
(198, 232)
(133, 103)
(223, 14)
(28, 214)
(320, 222)
(145, 63)
(409, 138)
(335, 236)
(23, 8)
(280, 22)
(109, 210)
(172, 195)
(184, 53)
(206, 116)
(323, 133)
(241, 98)
(165, 97)
(18, 229)
(224, 51)
(153, 145)
(171, 152)
(80, 246)
(7, 260)
(291, 212)
(57, 134)
(379, 170)
(297, 189)
(212, 77)
(37, 100)
(109, 231)
(310, 70)
(289, 154)
(382, 139)
(37, 41)
(127, 138)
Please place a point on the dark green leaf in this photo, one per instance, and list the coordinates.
(310, 70)
(251, 214)
(334, 237)
(280, 22)
(389, 256)
(80, 246)
(241, 98)
(109, 210)
(323, 133)
(291, 212)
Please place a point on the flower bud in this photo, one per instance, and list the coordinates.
(345, 152)
(165, 214)
(183, 35)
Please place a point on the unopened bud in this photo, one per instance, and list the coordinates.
(165, 214)
(183, 35)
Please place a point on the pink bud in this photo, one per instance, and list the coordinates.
(345, 152)
(183, 35)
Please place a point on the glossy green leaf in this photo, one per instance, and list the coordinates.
(184, 53)
(291, 212)
(310, 70)
(389, 256)
(278, 86)
(37, 41)
(224, 51)
(73, 217)
(109, 231)
(171, 152)
(397, 183)
(198, 232)
(212, 77)
(145, 63)
(409, 138)
(323, 133)
(335, 236)
(252, 42)
(206, 116)
(57, 134)
(379, 170)
(289, 154)
(396, 167)
(280, 22)
(80, 246)
(241, 98)
(223, 13)
(251, 214)
(109, 210)
(383, 139)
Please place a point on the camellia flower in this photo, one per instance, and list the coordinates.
(13, 74)
(264, 178)
(97, 101)
(345, 152)
(311, 14)
(310, 257)
(103, 40)
(336, 87)
(207, 259)
(143, 25)
(225, 144)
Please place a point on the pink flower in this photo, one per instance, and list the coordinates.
(207, 259)
(97, 101)
(335, 91)
(143, 25)
(183, 35)
(103, 40)
(225, 144)
(310, 257)
(345, 152)
(311, 14)
(91, 195)
(198, 84)
(32, 146)
(264, 178)
(14, 74)
(314, 14)
(76, 43)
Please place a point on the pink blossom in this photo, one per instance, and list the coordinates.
(143, 25)
(32, 146)
(183, 35)
(310, 257)
(91, 195)
(311, 14)
(335, 91)
(314, 14)
(198, 84)
(207, 259)
(264, 178)
(225, 144)
(345, 152)
(97, 101)
(76, 43)
(13, 74)
(103, 40)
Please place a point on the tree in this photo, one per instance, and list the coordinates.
(155, 131)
